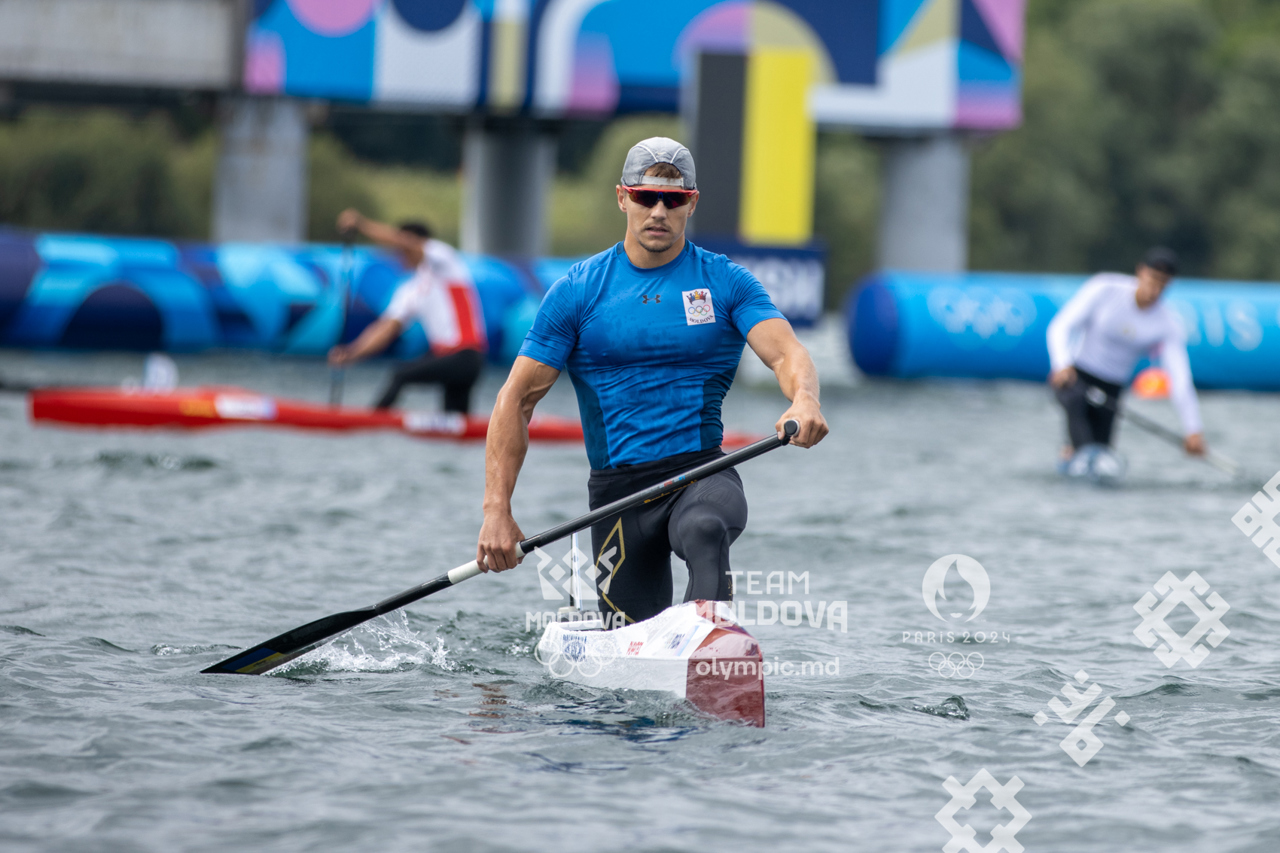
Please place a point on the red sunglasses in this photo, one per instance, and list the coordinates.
(671, 198)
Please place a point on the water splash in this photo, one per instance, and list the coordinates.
(386, 644)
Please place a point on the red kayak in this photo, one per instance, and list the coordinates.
(200, 408)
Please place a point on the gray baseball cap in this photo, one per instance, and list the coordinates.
(654, 150)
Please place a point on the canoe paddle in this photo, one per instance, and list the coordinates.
(1097, 397)
(338, 374)
(291, 644)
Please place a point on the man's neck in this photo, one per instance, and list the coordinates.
(646, 260)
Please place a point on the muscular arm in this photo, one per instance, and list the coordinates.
(376, 337)
(776, 344)
(504, 452)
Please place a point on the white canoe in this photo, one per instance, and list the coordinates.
(695, 651)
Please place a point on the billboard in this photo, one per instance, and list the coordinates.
(890, 65)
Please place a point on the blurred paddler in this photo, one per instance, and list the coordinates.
(1096, 341)
(441, 296)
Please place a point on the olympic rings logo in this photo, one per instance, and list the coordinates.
(700, 309)
(574, 652)
(956, 665)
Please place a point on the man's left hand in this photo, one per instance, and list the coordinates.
(1194, 444)
(813, 426)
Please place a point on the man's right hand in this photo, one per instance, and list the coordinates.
(349, 221)
(1063, 378)
(340, 356)
(499, 547)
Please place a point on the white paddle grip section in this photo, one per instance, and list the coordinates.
(464, 572)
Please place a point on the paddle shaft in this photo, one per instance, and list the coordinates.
(291, 644)
(715, 466)
(1217, 460)
(338, 374)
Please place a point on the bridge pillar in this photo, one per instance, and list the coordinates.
(924, 215)
(260, 185)
(508, 166)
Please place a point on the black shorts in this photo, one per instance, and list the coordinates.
(457, 372)
(633, 550)
(1088, 422)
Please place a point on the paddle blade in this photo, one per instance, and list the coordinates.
(291, 644)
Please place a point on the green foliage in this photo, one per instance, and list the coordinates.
(1146, 121)
(95, 171)
(846, 209)
(334, 184)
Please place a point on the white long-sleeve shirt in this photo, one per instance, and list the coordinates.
(1102, 330)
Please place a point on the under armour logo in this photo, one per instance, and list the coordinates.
(1002, 797)
(1258, 519)
(1208, 611)
(656, 299)
(1081, 744)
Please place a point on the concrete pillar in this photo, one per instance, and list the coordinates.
(260, 187)
(924, 215)
(507, 168)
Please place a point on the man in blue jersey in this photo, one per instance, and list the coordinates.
(651, 332)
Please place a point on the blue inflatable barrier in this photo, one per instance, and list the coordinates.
(992, 326)
(90, 292)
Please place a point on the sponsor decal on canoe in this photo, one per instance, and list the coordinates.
(448, 423)
(245, 407)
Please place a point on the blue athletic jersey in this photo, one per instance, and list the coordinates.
(651, 352)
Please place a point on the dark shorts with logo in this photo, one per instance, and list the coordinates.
(1088, 422)
(697, 523)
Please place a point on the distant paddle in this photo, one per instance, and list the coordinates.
(291, 644)
(338, 374)
(1097, 397)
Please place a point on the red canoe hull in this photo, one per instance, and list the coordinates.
(202, 408)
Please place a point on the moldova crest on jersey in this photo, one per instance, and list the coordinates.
(698, 308)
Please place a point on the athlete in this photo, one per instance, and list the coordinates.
(1118, 319)
(440, 296)
(651, 332)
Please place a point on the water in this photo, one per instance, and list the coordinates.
(131, 561)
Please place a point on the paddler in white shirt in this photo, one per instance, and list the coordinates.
(441, 296)
(1097, 339)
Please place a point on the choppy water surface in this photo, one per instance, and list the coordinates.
(130, 561)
